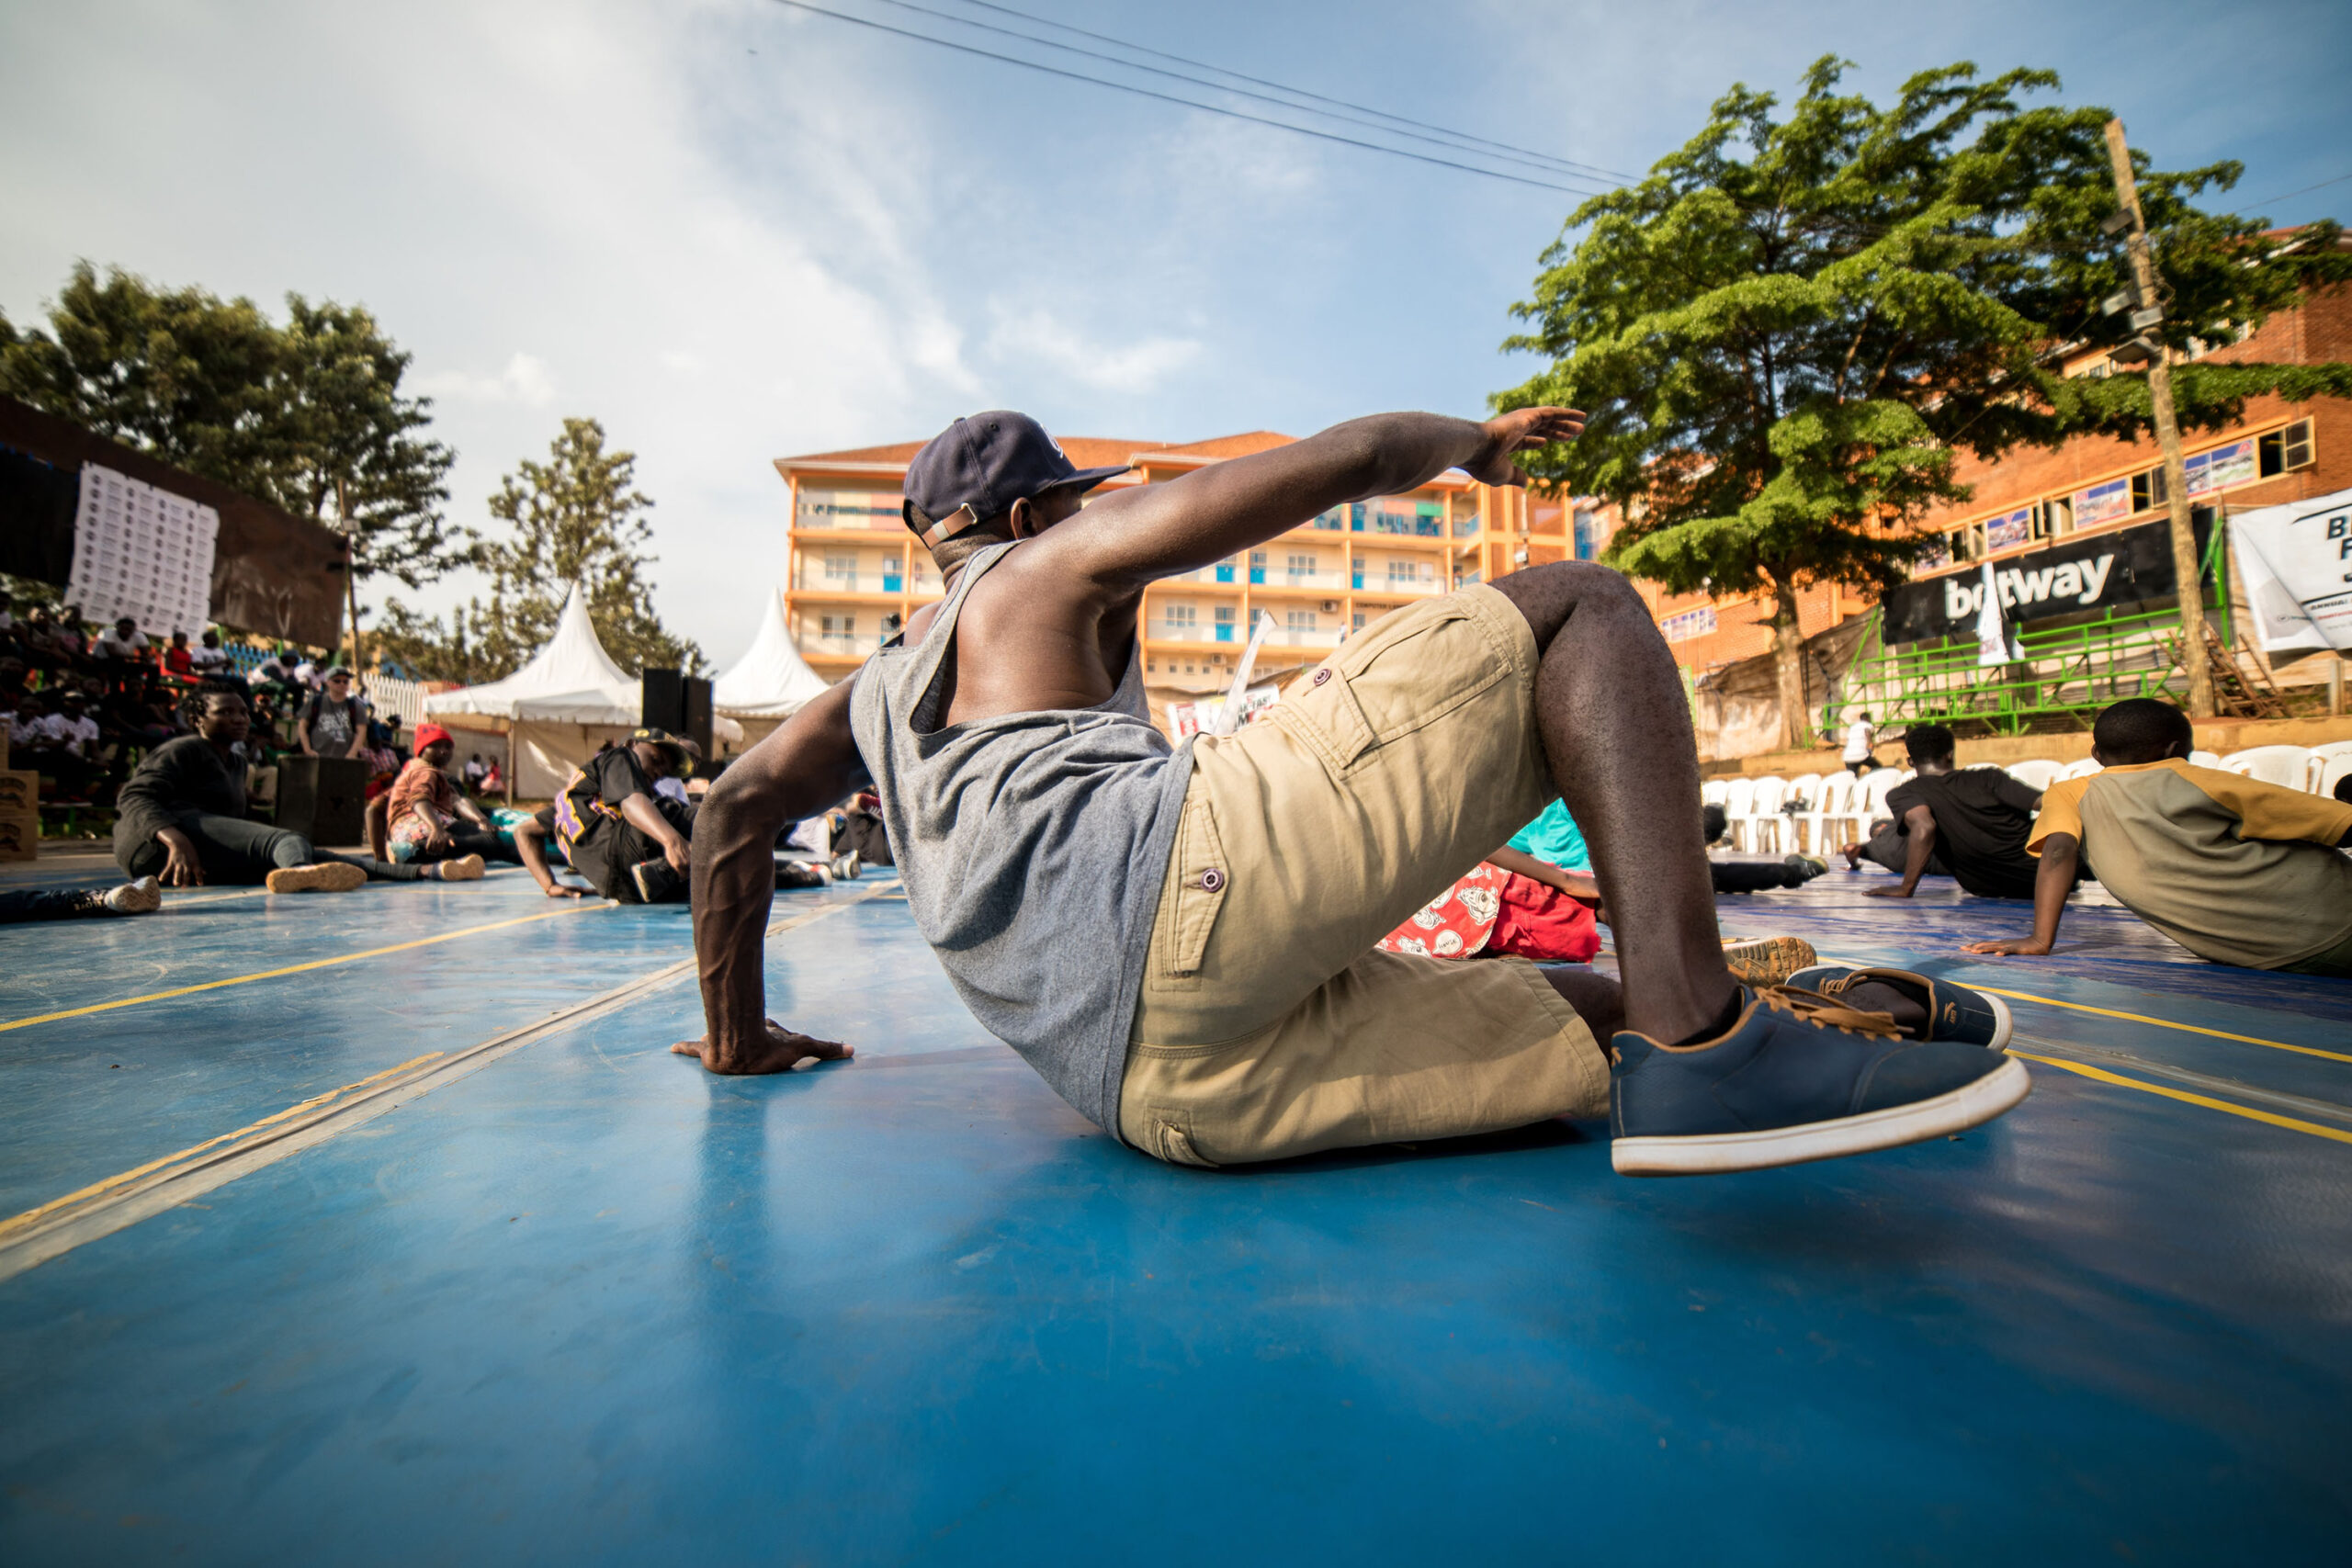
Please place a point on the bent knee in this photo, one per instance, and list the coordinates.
(1548, 594)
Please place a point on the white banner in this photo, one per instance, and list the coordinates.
(142, 552)
(2298, 564)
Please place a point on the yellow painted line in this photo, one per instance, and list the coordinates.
(2168, 1023)
(32, 1217)
(296, 968)
(2248, 1112)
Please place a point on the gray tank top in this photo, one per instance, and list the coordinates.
(1034, 846)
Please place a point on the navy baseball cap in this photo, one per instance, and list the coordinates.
(981, 465)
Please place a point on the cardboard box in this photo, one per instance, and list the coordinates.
(19, 835)
(19, 792)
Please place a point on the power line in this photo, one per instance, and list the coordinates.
(2265, 200)
(1356, 112)
(1173, 98)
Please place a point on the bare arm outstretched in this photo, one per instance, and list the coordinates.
(808, 765)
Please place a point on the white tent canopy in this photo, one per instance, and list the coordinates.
(570, 680)
(555, 711)
(771, 681)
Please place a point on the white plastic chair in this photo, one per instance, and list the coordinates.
(1831, 800)
(2287, 765)
(2329, 763)
(2081, 770)
(1739, 795)
(1804, 787)
(1765, 816)
(2035, 773)
(2204, 759)
(1713, 791)
(1876, 786)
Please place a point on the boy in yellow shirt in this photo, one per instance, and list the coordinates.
(2234, 870)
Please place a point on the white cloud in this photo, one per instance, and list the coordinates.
(524, 380)
(1130, 366)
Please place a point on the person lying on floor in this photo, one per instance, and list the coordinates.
(18, 905)
(630, 843)
(2233, 870)
(182, 818)
(1732, 872)
(425, 820)
(1969, 823)
(1183, 943)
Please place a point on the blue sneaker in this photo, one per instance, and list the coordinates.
(1797, 1078)
(1954, 1012)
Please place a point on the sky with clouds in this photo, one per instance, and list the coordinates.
(732, 229)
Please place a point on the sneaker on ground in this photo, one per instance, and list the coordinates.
(1797, 1078)
(1767, 960)
(327, 876)
(1953, 1012)
(134, 897)
(464, 868)
(848, 867)
(1807, 866)
(655, 881)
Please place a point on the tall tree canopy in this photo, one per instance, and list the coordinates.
(1788, 329)
(308, 417)
(575, 518)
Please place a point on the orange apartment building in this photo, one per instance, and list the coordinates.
(856, 572)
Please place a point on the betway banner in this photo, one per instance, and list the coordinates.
(2298, 564)
(2122, 568)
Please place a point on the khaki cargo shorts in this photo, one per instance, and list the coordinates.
(1270, 1025)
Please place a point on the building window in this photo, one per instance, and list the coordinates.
(2286, 450)
(842, 570)
(1180, 618)
(1588, 534)
(1359, 621)
(1299, 620)
(839, 628)
(1258, 567)
(1299, 567)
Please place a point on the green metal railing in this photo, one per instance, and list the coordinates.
(2069, 673)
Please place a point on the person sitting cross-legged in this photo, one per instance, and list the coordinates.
(181, 818)
(2234, 870)
(1184, 940)
(1969, 822)
(427, 821)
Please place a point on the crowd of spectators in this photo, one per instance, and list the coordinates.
(83, 704)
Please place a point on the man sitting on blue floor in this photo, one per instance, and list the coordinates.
(1969, 823)
(181, 818)
(617, 830)
(2234, 870)
(1182, 941)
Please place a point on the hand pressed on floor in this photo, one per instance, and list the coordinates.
(780, 1053)
(2009, 947)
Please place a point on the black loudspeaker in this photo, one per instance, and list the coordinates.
(679, 704)
(323, 799)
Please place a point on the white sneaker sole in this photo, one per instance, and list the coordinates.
(1715, 1153)
(2001, 1022)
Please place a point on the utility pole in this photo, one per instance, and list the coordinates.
(2185, 564)
(350, 575)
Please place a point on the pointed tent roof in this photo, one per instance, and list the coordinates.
(572, 679)
(771, 681)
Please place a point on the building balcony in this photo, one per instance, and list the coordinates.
(1207, 577)
(1306, 637)
(839, 648)
(1309, 585)
(842, 590)
(1175, 632)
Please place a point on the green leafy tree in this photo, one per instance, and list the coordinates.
(308, 416)
(1789, 330)
(575, 518)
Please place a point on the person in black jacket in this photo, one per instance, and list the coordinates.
(1969, 822)
(181, 818)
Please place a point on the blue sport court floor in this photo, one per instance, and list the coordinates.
(380, 1228)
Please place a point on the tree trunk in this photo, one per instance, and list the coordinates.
(1788, 657)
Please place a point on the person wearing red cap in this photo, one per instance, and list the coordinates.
(427, 821)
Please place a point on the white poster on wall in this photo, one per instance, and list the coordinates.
(2298, 564)
(142, 552)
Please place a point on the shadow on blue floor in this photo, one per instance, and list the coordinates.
(592, 1305)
